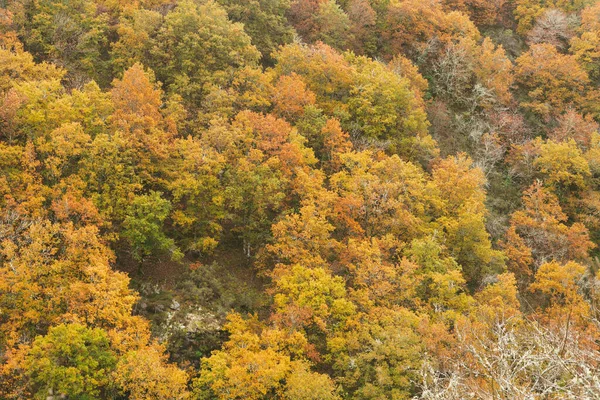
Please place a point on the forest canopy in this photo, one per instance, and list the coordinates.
(299, 199)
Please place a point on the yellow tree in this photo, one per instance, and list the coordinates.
(563, 167)
(60, 273)
(586, 47)
(138, 118)
(462, 213)
(539, 234)
(561, 284)
(380, 194)
(259, 362)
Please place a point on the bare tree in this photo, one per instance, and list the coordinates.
(520, 361)
(553, 27)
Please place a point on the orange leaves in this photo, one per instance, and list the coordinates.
(325, 72)
(482, 12)
(409, 21)
(412, 25)
(320, 20)
(276, 138)
(9, 104)
(137, 112)
(553, 81)
(335, 143)
(136, 101)
(146, 135)
(561, 284)
(303, 17)
(269, 133)
(494, 70)
(290, 96)
(303, 238)
(60, 273)
(539, 234)
(461, 186)
(375, 279)
(560, 281)
(379, 196)
(59, 257)
(519, 255)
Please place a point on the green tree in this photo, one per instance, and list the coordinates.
(264, 21)
(198, 46)
(143, 227)
(71, 360)
(74, 34)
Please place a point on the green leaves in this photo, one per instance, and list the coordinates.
(197, 46)
(71, 360)
(74, 32)
(143, 227)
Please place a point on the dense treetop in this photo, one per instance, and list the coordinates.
(299, 199)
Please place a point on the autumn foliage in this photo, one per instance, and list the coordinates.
(299, 199)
